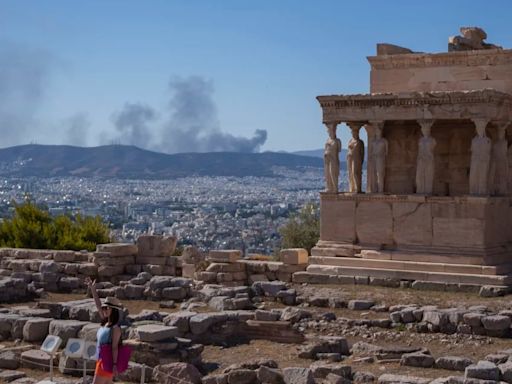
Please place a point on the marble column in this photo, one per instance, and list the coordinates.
(425, 160)
(480, 160)
(355, 158)
(498, 172)
(332, 158)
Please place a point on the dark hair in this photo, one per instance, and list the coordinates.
(113, 319)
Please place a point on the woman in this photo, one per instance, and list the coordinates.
(108, 333)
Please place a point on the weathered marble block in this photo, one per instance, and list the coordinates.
(294, 256)
(225, 256)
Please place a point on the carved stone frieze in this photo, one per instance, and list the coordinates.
(414, 99)
(456, 105)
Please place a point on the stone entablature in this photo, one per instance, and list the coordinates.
(489, 104)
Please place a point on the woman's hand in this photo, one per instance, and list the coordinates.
(91, 284)
(114, 371)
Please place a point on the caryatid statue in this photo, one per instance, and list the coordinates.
(379, 154)
(355, 158)
(480, 160)
(425, 161)
(498, 173)
(332, 159)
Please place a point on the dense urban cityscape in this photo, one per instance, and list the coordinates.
(210, 212)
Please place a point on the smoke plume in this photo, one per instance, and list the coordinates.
(23, 79)
(76, 129)
(132, 124)
(193, 124)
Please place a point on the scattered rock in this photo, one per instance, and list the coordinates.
(7, 376)
(294, 314)
(175, 373)
(242, 376)
(401, 379)
(8, 360)
(153, 332)
(360, 305)
(496, 322)
(269, 375)
(453, 363)
(506, 371)
(360, 377)
(35, 359)
(483, 370)
(321, 370)
(417, 359)
(295, 375)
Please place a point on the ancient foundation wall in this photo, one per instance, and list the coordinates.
(478, 229)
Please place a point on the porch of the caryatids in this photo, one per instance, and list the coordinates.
(480, 160)
(425, 161)
(355, 158)
(332, 151)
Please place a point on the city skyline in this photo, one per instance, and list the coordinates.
(178, 76)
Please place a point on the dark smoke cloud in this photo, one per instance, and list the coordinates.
(24, 74)
(76, 129)
(132, 124)
(218, 141)
(193, 125)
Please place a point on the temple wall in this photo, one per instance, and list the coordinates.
(455, 71)
(471, 226)
(441, 79)
(402, 153)
(452, 157)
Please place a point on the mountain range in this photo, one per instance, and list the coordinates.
(120, 161)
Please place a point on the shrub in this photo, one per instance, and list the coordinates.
(33, 227)
(302, 230)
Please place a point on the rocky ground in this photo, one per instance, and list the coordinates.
(307, 333)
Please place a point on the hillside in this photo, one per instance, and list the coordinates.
(120, 161)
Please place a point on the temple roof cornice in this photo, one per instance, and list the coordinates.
(445, 59)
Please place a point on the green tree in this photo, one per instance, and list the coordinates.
(302, 229)
(29, 227)
(33, 227)
(92, 231)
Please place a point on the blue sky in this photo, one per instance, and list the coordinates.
(263, 62)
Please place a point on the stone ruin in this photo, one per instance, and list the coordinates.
(437, 203)
(472, 38)
(221, 282)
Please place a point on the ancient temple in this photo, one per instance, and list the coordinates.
(437, 204)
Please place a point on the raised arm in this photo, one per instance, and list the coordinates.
(91, 284)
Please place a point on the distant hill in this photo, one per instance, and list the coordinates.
(319, 153)
(121, 161)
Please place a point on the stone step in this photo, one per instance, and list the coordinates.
(412, 265)
(441, 277)
(329, 248)
(449, 258)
